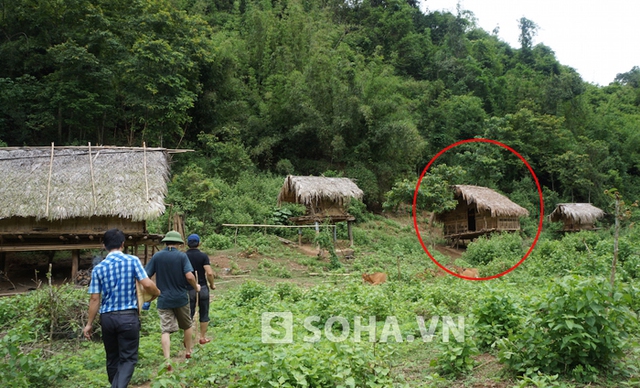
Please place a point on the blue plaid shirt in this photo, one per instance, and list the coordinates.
(114, 278)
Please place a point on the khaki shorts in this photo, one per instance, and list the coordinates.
(172, 319)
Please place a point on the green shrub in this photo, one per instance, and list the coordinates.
(456, 357)
(216, 242)
(289, 291)
(540, 380)
(24, 367)
(507, 246)
(570, 255)
(250, 291)
(359, 210)
(269, 268)
(631, 267)
(577, 325)
(497, 317)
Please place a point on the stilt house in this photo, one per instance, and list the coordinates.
(324, 198)
(480, 210)
(576, 216)
(65, 198)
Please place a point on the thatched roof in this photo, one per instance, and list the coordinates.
(579, 213)
(487, 199)
(83, 182)
(310, 190)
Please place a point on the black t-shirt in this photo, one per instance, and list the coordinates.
(198, 260)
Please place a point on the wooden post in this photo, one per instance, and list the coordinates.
(615, 242)
(350, 232)
(75, 258)
(51, 255)
(300, 236)
(3, 262)
(146, 252)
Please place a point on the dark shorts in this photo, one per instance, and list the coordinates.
(203, 303)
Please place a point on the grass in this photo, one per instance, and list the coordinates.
(272, 276)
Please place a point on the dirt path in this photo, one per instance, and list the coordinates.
(453, 253)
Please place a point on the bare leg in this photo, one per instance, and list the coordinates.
(203, 330)
(166, 345)
(188, 340)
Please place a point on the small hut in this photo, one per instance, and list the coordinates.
(480, 210)
(65, 198)
(576, 216)
(324, 198)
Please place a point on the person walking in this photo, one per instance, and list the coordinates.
(173, 270)
(202, 267)
(113, 294)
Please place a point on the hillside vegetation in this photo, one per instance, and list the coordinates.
(370, 90)
(554, 321)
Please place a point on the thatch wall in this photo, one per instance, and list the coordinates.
(576, 216)
(78, 182)
(321, 195)
(486, 209)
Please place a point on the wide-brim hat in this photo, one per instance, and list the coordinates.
(173, 236)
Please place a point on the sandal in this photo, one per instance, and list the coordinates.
(204, 341)
(187, 356)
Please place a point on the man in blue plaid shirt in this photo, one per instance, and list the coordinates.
(114, 278)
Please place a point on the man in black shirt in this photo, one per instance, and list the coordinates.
(201, 265)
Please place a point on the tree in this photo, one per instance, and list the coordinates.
(528, 30)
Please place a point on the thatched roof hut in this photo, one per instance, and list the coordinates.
(62, 198)
(480, 210)
(309, 190)
(576, 216)
(81, 182)
(65, 198)
(323, 197)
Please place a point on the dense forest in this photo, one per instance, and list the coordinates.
(369, 89)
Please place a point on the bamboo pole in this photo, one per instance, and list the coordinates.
(93, 182)
(196, 321)
(146, 178)
(75, 258)
(615, 242)
(271, 226)
(49, 181)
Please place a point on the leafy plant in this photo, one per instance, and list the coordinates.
(274, 269)
(455, 357)
(540, 380)
(324, 239)
(497, 316)
(577, 323)
(434, 193)
(486, 249)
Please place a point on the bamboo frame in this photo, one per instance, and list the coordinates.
(146, 178)
(49, 181)
(93, 183)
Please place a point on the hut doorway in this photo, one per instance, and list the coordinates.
(471, 219)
